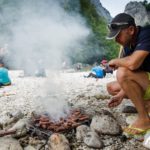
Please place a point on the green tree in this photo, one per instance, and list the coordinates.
(104, 48)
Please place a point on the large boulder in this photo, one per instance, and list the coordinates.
(93, 140)
(9, 144)
(58, 142)
(105, 124)
(138, 11)
(81, 132)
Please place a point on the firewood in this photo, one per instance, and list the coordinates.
(3, 133)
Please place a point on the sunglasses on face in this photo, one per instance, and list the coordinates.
(114, 26)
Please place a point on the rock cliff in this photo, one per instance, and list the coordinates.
(134, 8)
(101, 10)
(138, 11)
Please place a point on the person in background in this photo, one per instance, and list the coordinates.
(97, 72)
(104, 64)
(133, 70)
(40, 69)
(4, 77)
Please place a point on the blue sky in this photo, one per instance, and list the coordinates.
(115, 6)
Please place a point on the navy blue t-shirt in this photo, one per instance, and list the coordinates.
(142, 42)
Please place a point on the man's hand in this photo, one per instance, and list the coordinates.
(132, 62)
(115, 101)
(113, 64)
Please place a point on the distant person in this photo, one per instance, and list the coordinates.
(104, 61)
(78, 66)
(40, 71)
(4, 77)
(104, 64)
(97, 72)
(64, 65)
(4, 55)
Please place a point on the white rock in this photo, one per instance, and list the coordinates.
(9, 144)
(81, 132)
(146, 142)
(29, 147)
(58, 142)
(93, 140)
(105, 124)
(131, 119)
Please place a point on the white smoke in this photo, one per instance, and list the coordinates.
(52, 99)
(44, 35)
(44, 31)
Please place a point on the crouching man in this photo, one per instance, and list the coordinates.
(133, 69)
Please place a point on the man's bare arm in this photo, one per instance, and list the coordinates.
(131, 62)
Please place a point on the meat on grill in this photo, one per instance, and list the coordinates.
(75, 119)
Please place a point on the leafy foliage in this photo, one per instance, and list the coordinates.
(97, 47)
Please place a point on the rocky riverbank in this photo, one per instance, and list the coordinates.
(58, 93)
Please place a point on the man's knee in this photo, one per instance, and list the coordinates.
(110, 88)
(123, 74)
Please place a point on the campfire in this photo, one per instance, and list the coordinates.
(44, 125)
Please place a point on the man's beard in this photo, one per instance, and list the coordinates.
(128, 42)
